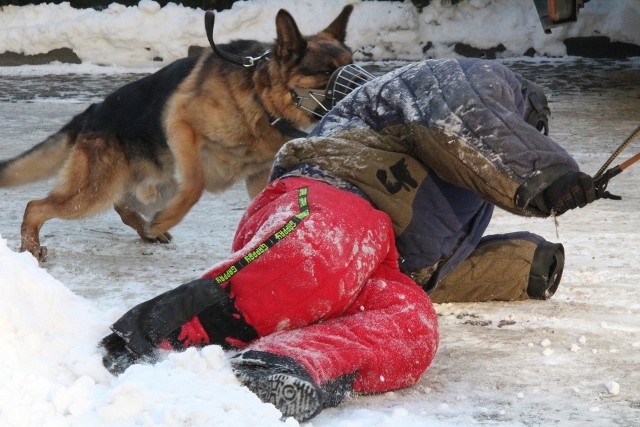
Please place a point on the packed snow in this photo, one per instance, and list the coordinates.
(143, 35)
(572, 360)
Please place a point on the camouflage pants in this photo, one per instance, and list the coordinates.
(508, 267)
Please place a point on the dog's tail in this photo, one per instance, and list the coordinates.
(44, 159)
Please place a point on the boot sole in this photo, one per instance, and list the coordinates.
(293, 396)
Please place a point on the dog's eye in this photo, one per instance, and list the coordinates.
(329, 71)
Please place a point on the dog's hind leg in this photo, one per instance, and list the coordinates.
(133, 219)
(92, 179)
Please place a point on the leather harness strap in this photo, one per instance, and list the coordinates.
(283, 126)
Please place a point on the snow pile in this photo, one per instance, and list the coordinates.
(53, 375)
(148, 35)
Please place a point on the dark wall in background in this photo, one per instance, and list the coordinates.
(202, 4)
(103, 4)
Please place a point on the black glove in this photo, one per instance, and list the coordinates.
(571, 190)
(118, 357)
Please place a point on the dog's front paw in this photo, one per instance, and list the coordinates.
(155, 237)
(160, 238)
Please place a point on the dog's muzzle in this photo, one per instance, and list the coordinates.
(342, 82)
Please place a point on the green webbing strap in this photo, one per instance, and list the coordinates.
(283, 232)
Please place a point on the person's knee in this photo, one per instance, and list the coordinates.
(546, 270)
(428, 334)
(422, 321)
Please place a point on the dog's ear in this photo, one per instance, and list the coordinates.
(338, 28)
(290, 43)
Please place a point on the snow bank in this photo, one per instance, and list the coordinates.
(148, 35)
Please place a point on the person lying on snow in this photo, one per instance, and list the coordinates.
(387, 198)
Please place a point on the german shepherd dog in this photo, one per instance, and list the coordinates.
(153, 146)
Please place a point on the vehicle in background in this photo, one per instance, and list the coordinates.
(553, 13)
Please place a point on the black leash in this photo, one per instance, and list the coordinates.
(282, 125)
(244, 61)
(602, 177)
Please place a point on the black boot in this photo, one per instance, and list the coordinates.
(286, 384)
(546, 270)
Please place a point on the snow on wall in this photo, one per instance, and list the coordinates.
(139, 36)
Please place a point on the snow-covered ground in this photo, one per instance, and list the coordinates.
(134, 36)
(570, 361)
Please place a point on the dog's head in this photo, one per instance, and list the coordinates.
(302, 62)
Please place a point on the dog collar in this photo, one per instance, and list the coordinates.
(285, 127)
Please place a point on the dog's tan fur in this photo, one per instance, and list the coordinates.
(216, 127)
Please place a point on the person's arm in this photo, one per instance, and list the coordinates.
(465, 121)
(478, 138)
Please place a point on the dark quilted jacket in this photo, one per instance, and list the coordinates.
(435, 144)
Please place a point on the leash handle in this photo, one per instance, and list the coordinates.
(615, 154)
(602, 181)
(629, 162)
(244, 61)
(602, 177)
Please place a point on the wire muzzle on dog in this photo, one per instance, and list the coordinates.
(342, 82)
